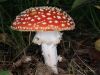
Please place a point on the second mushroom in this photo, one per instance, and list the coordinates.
(47, 22)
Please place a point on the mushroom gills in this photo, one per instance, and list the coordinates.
(48, 41)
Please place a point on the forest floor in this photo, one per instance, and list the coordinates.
(79, 58)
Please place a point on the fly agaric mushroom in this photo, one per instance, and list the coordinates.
(47, 22)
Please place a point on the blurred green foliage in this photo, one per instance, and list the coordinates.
(76, 3)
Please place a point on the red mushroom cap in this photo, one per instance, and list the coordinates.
(43, 19)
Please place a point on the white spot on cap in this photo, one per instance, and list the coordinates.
(34, 24)
(23, 12)
(64, 13)
(39, 18)
(27, 10)
(49, 18)
(18, 22)
(33, 10)
(14, 23)
(71, 22)
(63, 25)
(56, 21)
(29, 18)
(17, 17)
(25, 18)
(42, 13)
(53, 9)
(31, 28)
(22, 19)
(59, 17)
(48, 14)
(35, 16)
(50, 21)
(51, 26)
(41, 27)
(24, 28)
(66, 28)
(18, 27)
(27, 28)
(32, 19)
(69, 18)
(58, 9)
(36, 8)
(68, 23)
(36, 27)
(48, 27)
(58, 13)
(29, 24)
(41, 10)
(44, 23)
(54, 12)
(25, 15)
(24, 22)
(54, 16)
(56, 27)
(64, 21)
(15, 27)
(43, 16)
(64, 17)
(49, 11)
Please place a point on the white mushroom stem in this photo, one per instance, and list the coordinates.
(50, 56)
(48, 41)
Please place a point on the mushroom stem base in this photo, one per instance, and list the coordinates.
(49, 52)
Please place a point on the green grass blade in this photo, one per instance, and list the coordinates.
(94, 20)
(77, 3)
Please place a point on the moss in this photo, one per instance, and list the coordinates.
(5, 72)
